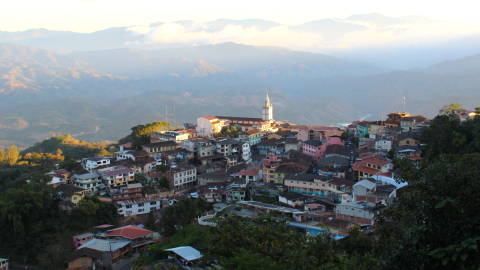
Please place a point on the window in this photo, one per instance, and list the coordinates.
(140, 210)
(153, 203)
(129, 206)
(140, 204)
(116, 252)
(153, 208)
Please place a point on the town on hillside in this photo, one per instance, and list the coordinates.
(319, 179)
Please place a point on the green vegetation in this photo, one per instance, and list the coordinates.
(141, 133)
(447, 134)
(268, 243)
(180, 215)
(188, 236)
(69, 146)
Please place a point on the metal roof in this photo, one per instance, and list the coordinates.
(105, 245)
(83, 235)
(272, 207)
(188, 253)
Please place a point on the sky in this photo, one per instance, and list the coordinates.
(92, 15)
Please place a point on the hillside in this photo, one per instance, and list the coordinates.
(101, 121)
(465, 66)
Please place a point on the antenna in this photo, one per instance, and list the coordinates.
(174, 125)
(404, 104)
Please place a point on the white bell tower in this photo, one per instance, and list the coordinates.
(267, 110)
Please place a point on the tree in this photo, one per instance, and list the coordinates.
(104, 152)
(344, 136)
(150, 224)
(178, 216)
(2, 156)
(357, 243)
(12, 155)
(164, 183)
(451, 109)
(435, 222)
(88, 207)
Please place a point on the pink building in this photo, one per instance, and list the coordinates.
(316, 149)
(315, 133)
(81, 239)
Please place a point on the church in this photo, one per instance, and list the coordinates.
(247, 123)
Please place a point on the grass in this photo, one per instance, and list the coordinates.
(188, 236)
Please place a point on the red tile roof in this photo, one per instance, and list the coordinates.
(415, 158)
(209, 117)
(118, 172)
(130, 232)
(128, 144)
(364, 169)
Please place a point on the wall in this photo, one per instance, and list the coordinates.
(409, 140)
(78, 263)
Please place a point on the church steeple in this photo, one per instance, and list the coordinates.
(267, 110)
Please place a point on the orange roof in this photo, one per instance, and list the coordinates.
(415, 158)
(130, 232)
(376, 161)
(128, 144)
(364, 169)
(209, 117)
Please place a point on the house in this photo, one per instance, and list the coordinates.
(236, 190)
(373, 190)
(70, 193)
(133, 155)
(283, 170)
(292, 198)
(200, 147)
(393, 119)
(358, 211)
(411, 122)
(99, 254)
(384, 144)
(130, 191)
(172, 157)
(228, 147)
(313, 208)
(252, 135)
(88, 181)
(83, 238)
(139, 238)
(246, 153)
(248, 175)
(154, 150)
(116, 176)
(182, 176)
(283, 134)
(57, 180)
(174, 136)
(212, 177)
(338, 189)
(209, 125)
(407, 151)
(315, 133)
(313, 148)
(3, 264)
(92, 163)
(466, 114)
(213, 192)
(336, 164)
(293, 144)
(263, 189)
(138, 206)
(408, 138)
(292, 158)
(371, 166)
(63, 176)
(271, 145)
(362, 128)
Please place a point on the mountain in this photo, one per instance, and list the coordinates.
(93, 120)
(261, 62)
(465, 66)
(396, 42)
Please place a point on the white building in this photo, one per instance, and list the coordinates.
(183, 176)
(292, 198)
(88, 181)
(138, 206)
(384, 144)
(92, 163)
(209, 125)
(267, 110)
(357, 211)
(246, 154)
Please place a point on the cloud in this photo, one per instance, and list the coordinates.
(198, 33)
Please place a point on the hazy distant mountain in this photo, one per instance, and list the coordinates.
(396, 42)
(257, 62)
(465, 66)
